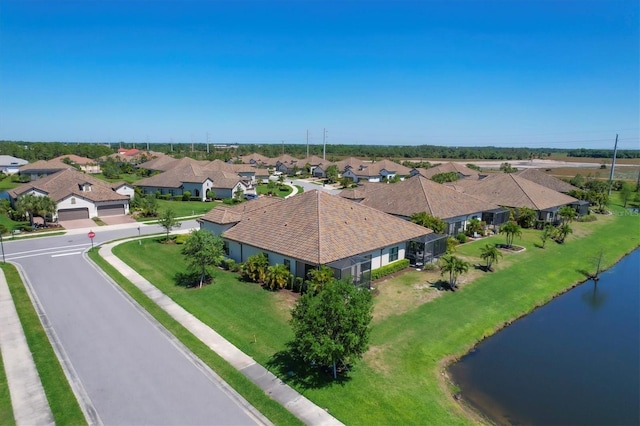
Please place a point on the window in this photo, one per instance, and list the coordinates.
(393, 254)
(287, 263)
(225, 247)
(73, 200)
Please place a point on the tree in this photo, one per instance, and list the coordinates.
(475, 226)
(512, 230)
(332, 325)
(277, 277)
(507, 168)
(425, 219)
(45, 206)
(626, 192)
(547, 232)
(567, 214)
(203, 250)
(28, 203)
(332, 173)
(454, 266)
(168, 221)
(526, 217)
(445, 177)
(490, 254)
(238, 195)
(318, 278)
(211, 194)
(562, 232)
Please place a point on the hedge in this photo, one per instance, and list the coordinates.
(389, 269)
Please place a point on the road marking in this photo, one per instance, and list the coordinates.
(66, 254)
(11, 256)
(52, 248)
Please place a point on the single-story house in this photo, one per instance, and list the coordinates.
(511, 190)
(544, 179)
(419, 194)
(256, 160)
(85, 164)
(316, 228)
(376, 171)
(43, 168)
(77, 195)
(10, 165)
(462, 171)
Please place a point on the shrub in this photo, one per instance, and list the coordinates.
(461, 237)
(163, 196)
(451, 245)
(177, 198)
(430, 267)
(186, 195)
(389, 269)
(588, 218)
(229, 201)
(181, 238)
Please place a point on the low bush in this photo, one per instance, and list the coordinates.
(389, 269)
(177, 198)
(186, 195)
(588, 218)
(462, 238)
(181, 238)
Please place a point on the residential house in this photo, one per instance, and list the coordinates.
(77, 195)
(257, 160)
(84, 164)
(43, 168)
(511, 190)
(288, 165)
(544, 179)
(10, 165)
(462, 171)
(376, 171)
(419, 194)
(313, 229)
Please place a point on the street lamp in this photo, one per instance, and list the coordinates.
(2, 246)
(138, 231)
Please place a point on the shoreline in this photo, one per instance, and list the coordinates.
(470, 411)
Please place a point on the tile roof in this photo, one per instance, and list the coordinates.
(448, 168)
(51, 166)
(9, 160)
(257, 158)
(224, 214)
(161, 163)
(352, 162)
(419, 194)
(193, 171)
(318, 228)
(68, 182)
(511, 190)
(76, 159)
(542, 178)
(374, 169)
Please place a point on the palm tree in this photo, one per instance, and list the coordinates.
(547, 233)
(28, 203)
(512, 229)
(318, 278)
(45, 206)
(455, 267)
(490, 254)
(563, 232)
(277, 277)
(567, 214)
(255, 268)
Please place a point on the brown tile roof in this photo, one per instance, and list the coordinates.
(224, 214)
(161, 163)
(43, 165)
(76, 159)
(257, 158)
(68, 182)
(511, 190)
(360, 192)
(542, 178)
(419, 194)
(193, 171)
(374, 169)
(448, 168)
(352, 162)
(318, 228)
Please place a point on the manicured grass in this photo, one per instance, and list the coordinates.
(62, 401)
(280, 191)
(400, 380)
(6, 411)
(252, 393)
(6, 184)
(186, 208)
(128, 178)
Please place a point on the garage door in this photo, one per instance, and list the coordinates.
(113, 210)
(73, 214)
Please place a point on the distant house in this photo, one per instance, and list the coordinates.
(314, 229)
(288, 165)
(86, 165)
(11, 165)
(511, 190)
(418, 194)
(257, 160)
(376, 171)
(77, 195)
(544, 179)
(463, 172)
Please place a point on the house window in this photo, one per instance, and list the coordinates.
(73, 200)
(287, 263)
(225, 247)
(393, 254)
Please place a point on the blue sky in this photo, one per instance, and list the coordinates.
(538, 73)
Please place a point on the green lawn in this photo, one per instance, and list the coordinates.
(281, 191)
(400, 380)
(185, 208)
(62, 401)
(6, 184)
(6, 411)
(128, 178)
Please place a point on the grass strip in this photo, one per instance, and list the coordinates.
(252, 393)
(6, 410)
(63, 403)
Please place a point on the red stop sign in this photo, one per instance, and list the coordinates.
(92, 234)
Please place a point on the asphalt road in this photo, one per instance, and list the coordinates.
(130, 369)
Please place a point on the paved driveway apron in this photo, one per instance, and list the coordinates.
(132, 371)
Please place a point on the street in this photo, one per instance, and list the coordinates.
(130, 370)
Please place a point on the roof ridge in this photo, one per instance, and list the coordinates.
(517, 181)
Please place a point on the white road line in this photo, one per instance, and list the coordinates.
(52, 248)
(66, 254)
(12, 257)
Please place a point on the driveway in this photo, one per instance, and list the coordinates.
(117, 220)
(78, 223)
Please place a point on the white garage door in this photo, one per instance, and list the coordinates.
(73, 214)
(112, 210)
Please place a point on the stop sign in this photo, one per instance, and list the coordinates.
(92, 234)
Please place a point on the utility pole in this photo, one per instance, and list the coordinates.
(324, 144)
(191, 142)
(171, 144)
(147, 142)
(283, 147)
(307, 143)
(613, 164)
(207, 142)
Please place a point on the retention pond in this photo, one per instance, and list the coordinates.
(575, 361)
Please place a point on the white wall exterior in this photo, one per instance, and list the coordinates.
(75, 202)
(215, 228)
(126, 190)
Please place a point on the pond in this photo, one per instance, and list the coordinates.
(575, 361)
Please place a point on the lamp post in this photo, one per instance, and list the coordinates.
(138, 231)
(2, 246)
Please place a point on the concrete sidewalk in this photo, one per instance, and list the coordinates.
(29, 403)
(298, 405)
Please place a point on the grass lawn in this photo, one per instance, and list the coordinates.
(215, 299)
(281, 191)
(401, 380)
(6, 411)
(128, 178)
(184, 208)
(62, 401)
(6, 184)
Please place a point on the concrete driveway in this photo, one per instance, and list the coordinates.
(117, 220)
(78, 223)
